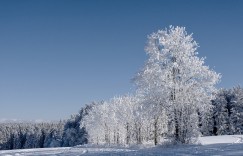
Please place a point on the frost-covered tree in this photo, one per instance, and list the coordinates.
(74, 134)
(153, 117)
(228, 112)
(236, 112)
(221, 112)
(94, 123)
(114, 121)
(175, 80)
(123, 114)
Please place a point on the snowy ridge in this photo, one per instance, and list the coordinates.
(212, 145)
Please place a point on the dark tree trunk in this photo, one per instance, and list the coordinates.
(156, 131)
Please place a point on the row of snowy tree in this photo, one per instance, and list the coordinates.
(126, 120)
(172, 100)
(123, 120)
(41, 135)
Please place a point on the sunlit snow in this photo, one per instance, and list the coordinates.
(212, 145)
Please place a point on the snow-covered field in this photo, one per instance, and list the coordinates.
(214, 145)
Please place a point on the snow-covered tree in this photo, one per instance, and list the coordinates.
(176, 81)
(221, 112)
(113, 121)
(153, 118)
(236, 111)
(74, 134)
(228, 112)
(94, 123)
(30, 135)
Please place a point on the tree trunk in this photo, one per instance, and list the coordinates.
(117, 137)
(156, 131)
(128, 134)
(176, 127)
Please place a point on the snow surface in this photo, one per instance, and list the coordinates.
(213, 145)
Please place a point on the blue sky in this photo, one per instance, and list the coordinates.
(56, 56)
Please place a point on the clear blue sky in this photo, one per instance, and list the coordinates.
(56, 56)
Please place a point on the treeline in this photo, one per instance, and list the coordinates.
(175, 99)
(42, 135)
(121, 121)
(30, 135)
(124, 121)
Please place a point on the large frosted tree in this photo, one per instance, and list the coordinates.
(176, 81)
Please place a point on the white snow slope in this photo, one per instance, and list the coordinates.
(214, 145)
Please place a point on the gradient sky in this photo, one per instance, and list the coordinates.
(57, 55)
